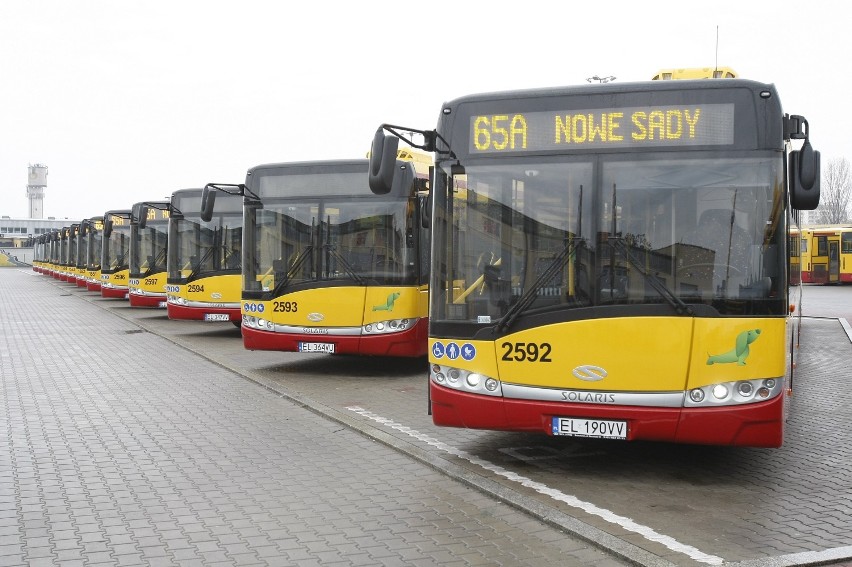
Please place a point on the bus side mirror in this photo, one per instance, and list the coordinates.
(426, 211)
(804, 171)
(208, 199)
(107, 228)
(143, 216)
(382, 162)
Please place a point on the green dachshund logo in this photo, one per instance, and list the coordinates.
(388, 306)
(740, 351)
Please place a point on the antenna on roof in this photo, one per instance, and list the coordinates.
(717, 48)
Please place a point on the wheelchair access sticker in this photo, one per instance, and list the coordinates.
(452, 350)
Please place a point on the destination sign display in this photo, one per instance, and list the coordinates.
(157, 214)
(633, 127)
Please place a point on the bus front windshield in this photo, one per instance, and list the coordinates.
(300, 242)
(200, 249)
(532, 236)
(149, 250)
(116, 250)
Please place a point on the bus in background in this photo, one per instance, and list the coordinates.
(696, 73)
(149, 233)
(204, 259)
(115, 254)
(845, 254)
(794, 249)
(610, 260)
(328, 268)
(80, 270)
(92, 231)
(829, 257)
(68, 250)
(54, 253)
(40, 253)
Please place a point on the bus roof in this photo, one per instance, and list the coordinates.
(696, 73)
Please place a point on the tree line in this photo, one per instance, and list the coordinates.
(835, 194)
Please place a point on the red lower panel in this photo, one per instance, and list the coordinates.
(755, 425)
(411, 343)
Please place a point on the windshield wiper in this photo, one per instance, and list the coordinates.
(151, 267)
(532, 292)
(668, 295)
(197, 268)
(677, 303)
(297, 263)
(347, 267)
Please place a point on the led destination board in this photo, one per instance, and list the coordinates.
(687, 125)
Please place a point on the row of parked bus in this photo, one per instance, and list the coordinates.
(301, 256)
(824, 254)
(607, 260)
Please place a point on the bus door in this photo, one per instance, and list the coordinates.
(833, 261)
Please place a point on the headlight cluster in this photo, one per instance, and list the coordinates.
(734, 393)
(255, 322)
(465, 380)
(176, 300)
(385, 327)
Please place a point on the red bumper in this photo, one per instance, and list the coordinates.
(754, 425)
(410, 343)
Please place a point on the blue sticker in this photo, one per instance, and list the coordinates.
(438, 350)
(453, 351)
(468, 351)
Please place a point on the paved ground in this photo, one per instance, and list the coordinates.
(688, 505)
(121, 448)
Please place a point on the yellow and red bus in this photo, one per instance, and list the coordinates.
(794, 249)
(611, 261)
(92, 232)
(41, 253)
(203, 261)
(53, 253)
(80, 258)
(827, 254)
(64, 268)
(328, 268)
(149, 236)
(115, 254)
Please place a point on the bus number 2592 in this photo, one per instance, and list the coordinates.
(526, 352)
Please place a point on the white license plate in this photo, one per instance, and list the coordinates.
(585, 427)
(217, 317)
(162, 304)
(317, 347)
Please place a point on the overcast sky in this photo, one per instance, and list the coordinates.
(127, 101)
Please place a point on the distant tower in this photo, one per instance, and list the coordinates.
(36, 183)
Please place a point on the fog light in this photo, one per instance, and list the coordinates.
(745, 389)
(769, 383)
(439, 377)
(696, 395)
(491, 385)
(368, 327)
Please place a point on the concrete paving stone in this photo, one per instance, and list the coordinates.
(198, 450)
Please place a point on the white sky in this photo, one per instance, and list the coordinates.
(127, 101)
